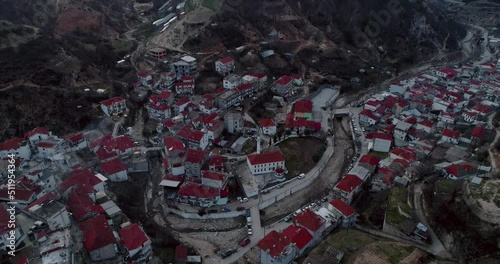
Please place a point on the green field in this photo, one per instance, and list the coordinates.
(398, 198)
(299, 154)
(393, 252)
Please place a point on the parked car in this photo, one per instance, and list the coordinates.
(301, 176)
(324, 199)
(249, 232)
(240, 208)
(244, 200)
(226, 209)
(245, 242)
(288, 218)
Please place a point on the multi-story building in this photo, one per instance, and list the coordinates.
(268, 126)
(185, 86)
(136, 242)
(346, 188)
(276, 249)
(228, 98)
(233, 122)
(199, 195)
(114, 106)
(98, 238)
(157, 53)
(283, 85)
(265, 162)
(17, 146)
(231, 81)
(157, 109)
(195, 160)
(50, 211)
(225, 66)
(186, 66)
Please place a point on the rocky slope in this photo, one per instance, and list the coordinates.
(340, 36)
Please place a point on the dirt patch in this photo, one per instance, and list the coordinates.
(75, 20)
(301, 154)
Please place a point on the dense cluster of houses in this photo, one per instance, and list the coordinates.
(307, 229)
(60, 192)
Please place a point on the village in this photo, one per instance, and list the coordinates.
(224, 156)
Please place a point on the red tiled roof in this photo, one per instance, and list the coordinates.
(82, 206)
(450, 133)
(459, 170)
(189, 189)
(299, 236)
(244, 87)
(21, 194)
(482, 109)
(382, 136)
(344, 208)
(133, 237)
(45, 145)
(213, 175)
(273, 243)
(478, 132)
(349, 183)
(303, 106)
(97, 233)
(226, 60)
(181, 252)
(450, 73)
(216, 160)
(36, 131)
(195, 156)
(173, 143)
(113, 166)
(164, 95)
(44, 199)
(284, 80)
(169, 123)
(100, 141)
(13, 143)
(142, 75)
(309, 220)
(258, 75)
(370, 159)
(75, 137)
(426, 123)
(403, 162)
(182, 101)
(268, 122)
(404, 154)
(263, 158)
(111, 101)
(104, 154)
(121, 143)
(22, 260)
(80, 178)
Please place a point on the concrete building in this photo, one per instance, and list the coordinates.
(186, 66)
(232, 81)
(265, 162)
(233, 122)
(114, 106)
(225, 66)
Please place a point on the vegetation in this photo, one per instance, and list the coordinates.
(398, 198)
(380, 155)
(214, 5)
(394, 252)
(300, 154)
(446, 186)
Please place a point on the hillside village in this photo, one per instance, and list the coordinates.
(220, 160)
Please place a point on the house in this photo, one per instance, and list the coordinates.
(26, 193)
(216, 163)
(9, 233)
(122, 145)
(401, 130)
(50, 147)
(315, 224)
(268, 126)
(158, 109)
(181, 105)
(215, 130)
(372, 104)
(246, 90)
(18, 147)
(383, 179)
(98, 238)
(50, 211)
(115, 170)
(233, 122)
(382, 142)
(299, 237)
(213, 179)
(469, 116)
(76, 141)
(265, 162)
(361, 172)
(397, 88)
(167, 81)
(258, 79)
(114, 106)
(425, 125)
(157, 53)
(186, 66)
(36, 135)
(367, 117)
(403, 153)
(195, 160)
(371, 162)
(276, 249)
(193, 138)
(136, 243)
(447, 73)
(225, 66)
(447, 118)
(144, 78)
(185, 86)
(207, 107)
(448, 135)
(82, 207)
(460, 170)
(303, 109)
(231, 81)
(228, 98)
(482, 109)
(346, 213)
(199, 195)
(83, 179)
(477, 135)
(283, 85)
(347, 187)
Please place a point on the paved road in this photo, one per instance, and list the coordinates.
(436, 247)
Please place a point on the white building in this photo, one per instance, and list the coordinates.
(225, 66)
(232, 81)
(114, 106)
(50, 211)
(233, 122)
(265, 162)
(268, 127)
(17, 146)
(115, 170)
(136, 242)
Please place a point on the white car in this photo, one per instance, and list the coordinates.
(244, 200)
(249, 231)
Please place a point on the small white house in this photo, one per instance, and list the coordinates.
(268, 127)
(115, 170)
(114, 106)
(225, 66)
